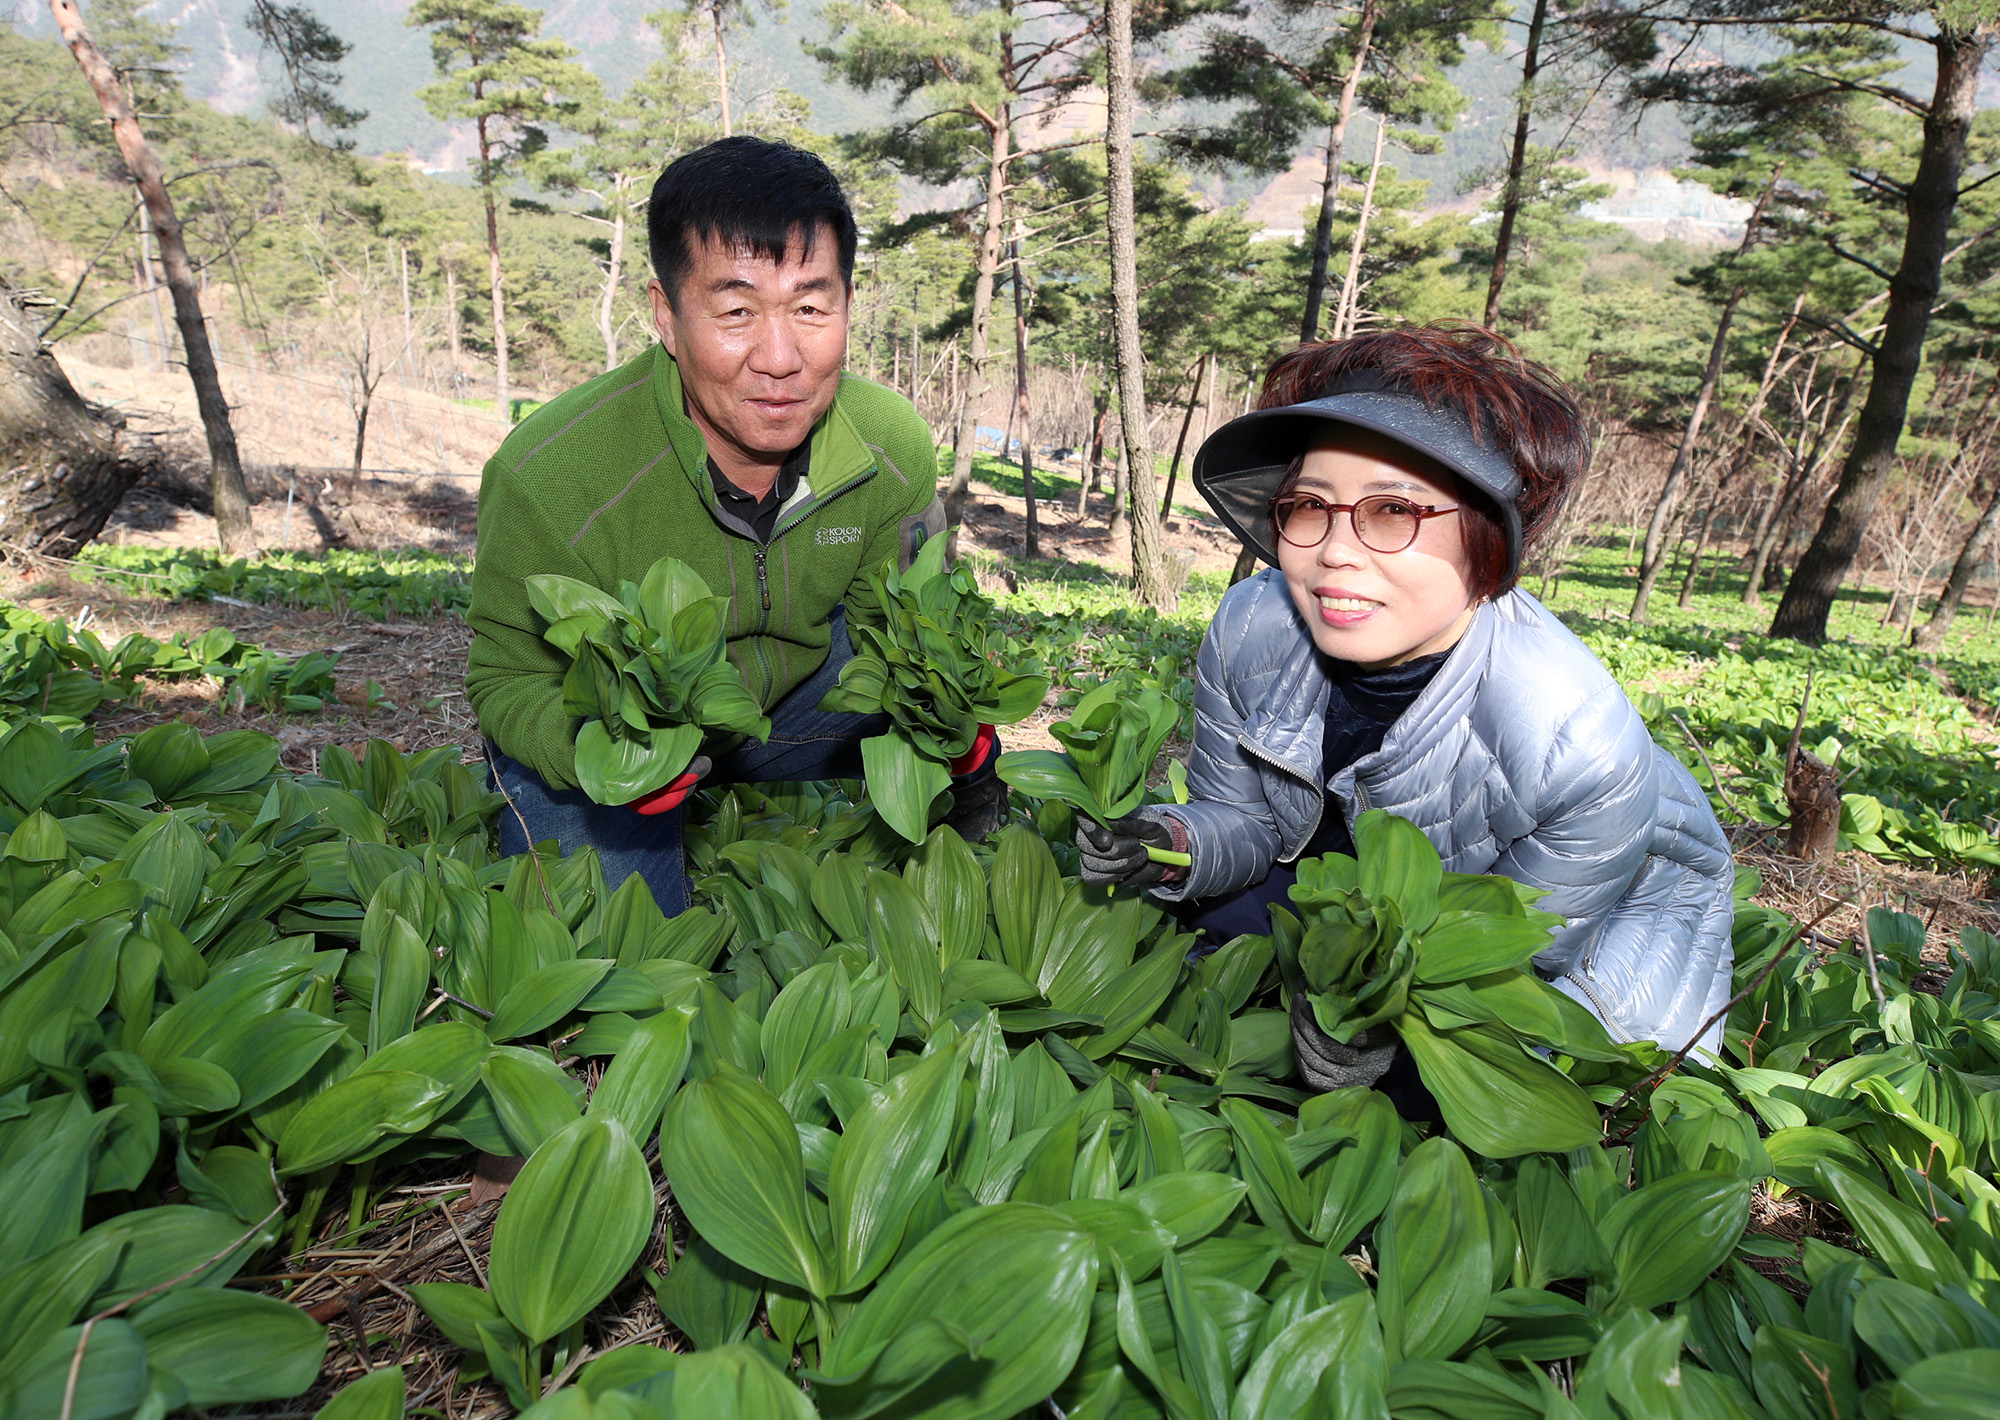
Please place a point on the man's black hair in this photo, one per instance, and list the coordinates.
(745, 192)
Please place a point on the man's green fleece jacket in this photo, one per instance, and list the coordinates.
(611, 476)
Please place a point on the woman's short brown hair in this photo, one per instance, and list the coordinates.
(1510, 401)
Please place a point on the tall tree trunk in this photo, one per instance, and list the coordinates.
(1651, 559)
(974, 387)
(1093, 467)
(225, 466)
(1517, 162)
(1202, 367)
(64, 462)
(1930, 635)
(1345, 316)
(1119, 524)
(1245, 564)
(721, 66)
(501, 384)
(364, 396)
(1929, 201)
(451, 316)
(1336, 139)
(1149, 572)
(409, 324)
(1778, 512)
(614, 273)
(1031, 541)
(1701, 540)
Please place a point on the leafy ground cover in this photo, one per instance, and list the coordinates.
(927, 1128)
(371, 583)
(945, 1133)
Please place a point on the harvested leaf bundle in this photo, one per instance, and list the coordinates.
(1109, 743)
(649, 675)
(1443, 958)
(926, 667)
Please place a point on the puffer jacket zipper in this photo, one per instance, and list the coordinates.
(1319, 812)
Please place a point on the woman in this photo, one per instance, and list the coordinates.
(1387, 660)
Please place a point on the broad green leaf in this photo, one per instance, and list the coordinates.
(644, 1075)
(1190, 1204)
(572, 1224)
(1436, 1261)
(708, 1297)
(1558, 1238)
(1665, 1237)
(902, 781)
(1496, 1097)
(811, 1010)
(1280, 1381)
(1276, 1190)
(946, 877)
(40, 1298)
(531, 1097)
(379, 1395)
(45, 1186)
(732, 1155)
(1895, 1232)
(1047, 774)
(902, 933)
(617, 771)
(111, 1381)
(457, 1309)
(229, 1347)
(1395, 861)
(545, 996)
(884, 1160)
(1027, 891)
(1014, 1280)
(175, 1241)
(1904, 1325)
(1425, 1389)
(1959, 1385)
(343, 1121)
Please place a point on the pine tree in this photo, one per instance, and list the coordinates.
(512, 85)
(310, 55)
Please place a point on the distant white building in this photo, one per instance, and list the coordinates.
(1656, 206)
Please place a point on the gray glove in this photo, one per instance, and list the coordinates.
(1326, 1064)
(978, 804)
(1115, 855)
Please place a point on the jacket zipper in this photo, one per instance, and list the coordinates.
(763, 586)
(1618, 1033)
(1276, 763)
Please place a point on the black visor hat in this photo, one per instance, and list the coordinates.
(1239, 466)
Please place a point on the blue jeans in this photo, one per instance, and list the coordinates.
(806, 743)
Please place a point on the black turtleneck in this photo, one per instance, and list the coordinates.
(1359, 711)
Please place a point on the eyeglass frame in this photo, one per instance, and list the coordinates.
(1424, 512)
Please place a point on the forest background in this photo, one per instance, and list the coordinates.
(409, 219)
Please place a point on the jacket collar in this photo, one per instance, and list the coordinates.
(839, 454)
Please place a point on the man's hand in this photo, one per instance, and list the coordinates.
(1326, 1064)
(669, 796)
(1114, 855)
(983, 745)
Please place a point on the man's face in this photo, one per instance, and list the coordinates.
(759, 343)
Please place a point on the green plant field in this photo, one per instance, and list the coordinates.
(950, 1135)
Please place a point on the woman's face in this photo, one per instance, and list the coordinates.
(1379, 609)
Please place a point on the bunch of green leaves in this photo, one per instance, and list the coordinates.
(649, 676)
(922, 658)
(1108, 743)
(293, 684)
(1389, 938)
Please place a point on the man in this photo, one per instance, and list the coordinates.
(736, 445)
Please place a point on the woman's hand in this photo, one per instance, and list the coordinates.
(1114, 854)
(1326, 1064)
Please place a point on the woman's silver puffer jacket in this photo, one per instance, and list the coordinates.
(1522, 756)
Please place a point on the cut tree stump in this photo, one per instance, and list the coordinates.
(1812, 789)
(64, 462)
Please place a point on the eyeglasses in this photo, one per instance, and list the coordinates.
(1384, 522)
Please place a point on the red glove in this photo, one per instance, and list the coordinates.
(668, 796)
(982, 747)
